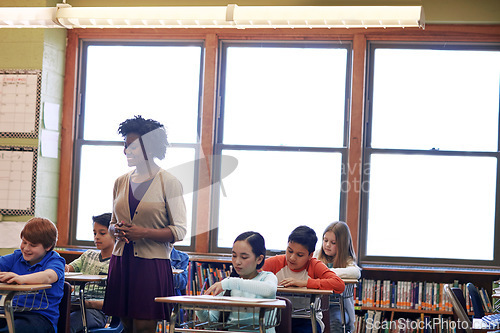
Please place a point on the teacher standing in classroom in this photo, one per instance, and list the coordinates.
(149, 215)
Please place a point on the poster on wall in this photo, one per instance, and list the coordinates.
(17, 180)
(19, 103)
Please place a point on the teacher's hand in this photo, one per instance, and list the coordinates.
(119, 232)
(129, 232)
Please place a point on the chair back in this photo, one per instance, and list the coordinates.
(63, 323)
(325, 309)
(477, 303)
(285, 325)
(459, 311)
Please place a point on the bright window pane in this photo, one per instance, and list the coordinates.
(432, 206)
(161, 83)
(274, 192)
(285, 96)
(425, 99)
(101, 165)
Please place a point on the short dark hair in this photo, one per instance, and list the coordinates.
(102, 219)
(256, 242)
(39, 230)
(305, 236)
(151, 132)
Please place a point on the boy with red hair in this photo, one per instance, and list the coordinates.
(36, 263)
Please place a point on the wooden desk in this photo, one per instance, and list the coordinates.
(222, 303)
(315, 296)
(11, 290)
(82, 280)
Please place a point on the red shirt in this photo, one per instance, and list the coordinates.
(320, 276)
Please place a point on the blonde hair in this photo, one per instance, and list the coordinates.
(343, 242)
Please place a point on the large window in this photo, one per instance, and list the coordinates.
(269, 120)
(283, 117)
(119, 80)
(430, 186)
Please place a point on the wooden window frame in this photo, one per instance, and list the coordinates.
(211, 38)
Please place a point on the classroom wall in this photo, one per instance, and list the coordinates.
(37, 49)
(45, 49)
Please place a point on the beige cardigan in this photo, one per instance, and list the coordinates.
(151, 213)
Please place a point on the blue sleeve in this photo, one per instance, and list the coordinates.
(180, 280)
(6, 262)
(56, 263)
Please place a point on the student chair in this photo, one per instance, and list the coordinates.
(456, 297)
(477, 304)
(285, 325)
(64, 309)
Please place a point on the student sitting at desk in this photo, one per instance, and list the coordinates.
(337, 253)
(298, 268)
(249, 252)
(36, 263)
(179, 260)
(93, 262)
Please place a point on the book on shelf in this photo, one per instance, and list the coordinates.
(486, 300)
(370, 314)
(376, 321)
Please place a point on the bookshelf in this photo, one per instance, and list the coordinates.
(206, 269)
(432, 307)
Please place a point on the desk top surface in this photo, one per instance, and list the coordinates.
(23, 287)
(302, 291)
(84, 277)
(224, 301)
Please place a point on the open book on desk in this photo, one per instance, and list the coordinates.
(232, 298)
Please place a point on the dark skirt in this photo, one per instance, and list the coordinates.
(133, 284)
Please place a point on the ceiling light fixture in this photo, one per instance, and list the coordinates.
(230, 16)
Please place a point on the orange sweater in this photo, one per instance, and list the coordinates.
(320, 277)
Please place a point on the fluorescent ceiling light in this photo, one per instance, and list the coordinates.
(28, 17)
(231, 16)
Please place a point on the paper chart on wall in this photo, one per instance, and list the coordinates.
(17, 180)
(19, 103)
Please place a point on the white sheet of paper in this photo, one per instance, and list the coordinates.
(10, 234)
(51, 116)
(49, 142)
